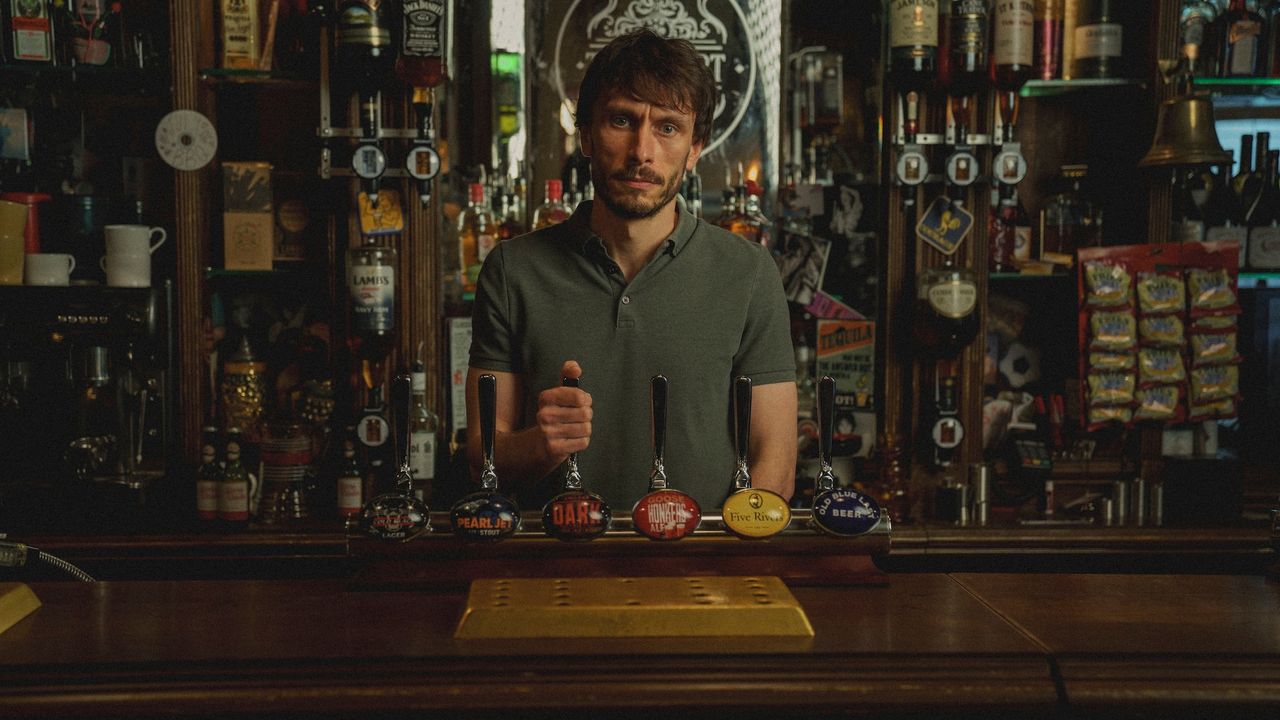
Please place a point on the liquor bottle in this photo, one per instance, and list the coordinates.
(1013, 43)
(1003, 236)
(966, 47)
(28, 32)
(913, 43)
(751, 222)
(208, 476)
(364, 51)
(1272, 45)
(234, 492)
(1099, 40)
(1048, 39)
(371, 283)
(1194, 28)
(1188, 222)
(1264, 237)
(946, 318)
(1253, 188)
(1222, 216)
(510, 226)
(423, 35)
(1240, 51)
(350, 478)
(1244, 175)
(477, 234)
(1069, 220)
(552, 210)
(424, 431)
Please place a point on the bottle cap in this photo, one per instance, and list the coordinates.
(555, 189)
(476, 192)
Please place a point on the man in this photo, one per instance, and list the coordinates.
(632, 286)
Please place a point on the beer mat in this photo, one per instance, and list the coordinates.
(632, 607)
(17, 601)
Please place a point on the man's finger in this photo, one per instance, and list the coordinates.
(571, 369)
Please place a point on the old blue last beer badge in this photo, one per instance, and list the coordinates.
(844, 512)
(486, 515)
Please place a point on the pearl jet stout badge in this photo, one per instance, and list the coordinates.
(837, 511)
(575, 514)
(486, 515)
(664, 513)
(749, 512)
(397, 515)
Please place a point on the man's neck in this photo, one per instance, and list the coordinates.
(633, 243)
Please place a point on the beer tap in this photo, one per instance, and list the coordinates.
(423, 162)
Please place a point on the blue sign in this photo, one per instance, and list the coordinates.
(845, 512)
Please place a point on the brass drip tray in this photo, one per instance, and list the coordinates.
(628, 607)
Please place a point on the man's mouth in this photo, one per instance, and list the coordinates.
(638, 180)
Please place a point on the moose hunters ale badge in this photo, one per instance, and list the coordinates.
(663, 514)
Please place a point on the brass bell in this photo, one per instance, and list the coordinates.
(1185, 134)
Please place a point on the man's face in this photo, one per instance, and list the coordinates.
(639, 152)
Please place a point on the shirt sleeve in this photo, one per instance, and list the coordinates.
(765, 354)
(491, 332)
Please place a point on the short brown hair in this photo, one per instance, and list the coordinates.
(651, 68)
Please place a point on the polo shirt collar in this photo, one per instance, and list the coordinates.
(579, 230)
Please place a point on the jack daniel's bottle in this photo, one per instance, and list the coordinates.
(946, 310)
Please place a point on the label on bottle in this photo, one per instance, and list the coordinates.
(207, 499)
(969, 27)
(233, 500)
(32, 32)
(422, 455)
(373, 294)
(1235, 233)
(1014, 32)
(913, 22)
(1243, 38)
(423, 29)
(350, 495)
(239, 34)
(954, 298)
(1264, 248)
(1100, 40)
(484, 243)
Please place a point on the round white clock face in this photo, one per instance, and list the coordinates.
(186, 140)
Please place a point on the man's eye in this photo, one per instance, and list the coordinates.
(669, 129)
(618, 121)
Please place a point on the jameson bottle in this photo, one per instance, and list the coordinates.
(967, 47)
(208, 476)
(28, 32)
(913, 43)
(1099, 40)
(1012, 43)
(371, 284)
(423, 29)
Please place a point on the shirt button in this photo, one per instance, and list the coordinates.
(626, 299)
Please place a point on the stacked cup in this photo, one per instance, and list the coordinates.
(128, 259)
(13, 223)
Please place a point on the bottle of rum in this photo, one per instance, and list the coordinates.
(424, 431)
(371, 284)
(477, 234)
(913, 43)
(208, 476)
(552, 210)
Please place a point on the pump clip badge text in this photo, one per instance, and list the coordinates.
(944, 226)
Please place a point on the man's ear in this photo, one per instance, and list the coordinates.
(695, 151)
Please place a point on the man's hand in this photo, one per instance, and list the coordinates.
(564, 417)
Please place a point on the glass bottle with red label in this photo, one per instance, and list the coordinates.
(477, 234)
(28, 32)
(553, 210)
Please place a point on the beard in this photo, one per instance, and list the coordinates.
(636, 205)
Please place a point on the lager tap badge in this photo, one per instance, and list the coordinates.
(575, 514)
(748, 512)
(663, 514)
(397, 515)
(838, 511)
(486, 515)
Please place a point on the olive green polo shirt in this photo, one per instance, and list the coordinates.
(708, 307)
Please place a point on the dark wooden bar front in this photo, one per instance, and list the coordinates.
(924, 645)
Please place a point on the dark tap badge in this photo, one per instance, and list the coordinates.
(845, 512)
(485, 516)
(666, 515)
(394, 517)
(576, 516)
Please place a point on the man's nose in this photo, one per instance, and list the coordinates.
(643, 143)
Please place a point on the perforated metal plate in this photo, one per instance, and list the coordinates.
(632, 607)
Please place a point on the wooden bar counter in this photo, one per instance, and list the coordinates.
(924, 645)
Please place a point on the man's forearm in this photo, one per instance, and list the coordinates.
(774, 469)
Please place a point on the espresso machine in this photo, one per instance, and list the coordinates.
(86, 404)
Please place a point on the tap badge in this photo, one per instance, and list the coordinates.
(667, 515)
(755, 513)
(716, 28)
(845, 512)
(576, 516)
(394, 517)
(485, 516)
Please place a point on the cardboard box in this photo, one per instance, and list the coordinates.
(248, 240)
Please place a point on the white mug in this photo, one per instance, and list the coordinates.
(132, 239)
(48, 268)
(127, 270)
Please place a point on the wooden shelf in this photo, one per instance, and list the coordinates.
(216, 77)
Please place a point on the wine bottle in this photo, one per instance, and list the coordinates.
(1245, 171)
(1222, 216)
(967, 47)
(1099, 40)
(913, 43)
(1264, 235)
(1013, 43)
(1240, 42)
